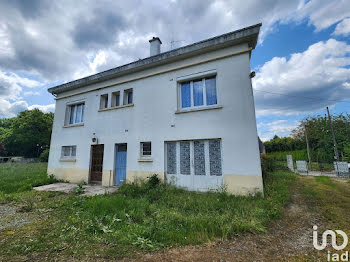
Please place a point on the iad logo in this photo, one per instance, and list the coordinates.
(330, 256)
(333, 238)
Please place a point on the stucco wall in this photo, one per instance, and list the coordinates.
(153, 118)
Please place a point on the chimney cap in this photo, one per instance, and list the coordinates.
(154, 39)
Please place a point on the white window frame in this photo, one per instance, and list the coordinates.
(192, 78)
(115, 101)
(206, 155)
(71, 149)
(142, 152)
(69, 113)
(126, 96)
(104, 101)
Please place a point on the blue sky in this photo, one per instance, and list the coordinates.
(302, 60)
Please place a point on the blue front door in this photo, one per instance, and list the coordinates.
(120, 164)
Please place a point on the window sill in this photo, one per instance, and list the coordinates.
(194, 109)
(115, 107)
(73, 125)
(68, 160)
(145, 159)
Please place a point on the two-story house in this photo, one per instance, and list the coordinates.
(187, 115)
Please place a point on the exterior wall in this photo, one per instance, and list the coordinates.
(153, 118)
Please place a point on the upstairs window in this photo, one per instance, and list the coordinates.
(75, 114)
(104, 101)
(198, 92)
(128, 97)
(146, 149)
(116, 99)
(69, 151)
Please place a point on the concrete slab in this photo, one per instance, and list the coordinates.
(89, 190)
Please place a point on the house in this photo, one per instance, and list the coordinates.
(187, 115)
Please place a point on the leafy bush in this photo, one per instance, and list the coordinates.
(282, 156)
(3, 151)
(79, 189)
(268, 165)
(153, 181)
(44, 156)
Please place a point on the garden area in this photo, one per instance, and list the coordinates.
(148, 220)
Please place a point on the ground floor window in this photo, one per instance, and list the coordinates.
(197, 157)
(68, 151)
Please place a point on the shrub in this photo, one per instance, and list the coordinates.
(153, 181)
(79, 189)
(268, 165)
(44, 156)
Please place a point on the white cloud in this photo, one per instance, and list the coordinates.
(31, 93)
(59, 42)
(268, 130)
(53, 38)
(11, 85)
(323, 14)
(309, 81)
(343, 28)
(44, 108)
(8, 109)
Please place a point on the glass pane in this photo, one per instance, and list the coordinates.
(66, 151)
(117, 98)
(146, 149)
(106, 101)
(210, 86)
(215, 157)
(185, 95)
(199, 158)
(185, 167)
(171, 158)
(82, 112)
(130, 97)
(74, 151)
(122, 147)
(78, 113)
(72, 114)
(198, 93)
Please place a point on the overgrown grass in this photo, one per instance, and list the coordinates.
(331, 199)
(15, 177)
(296, 154)
(315, 166)
(143, 216)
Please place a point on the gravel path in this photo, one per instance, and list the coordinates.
(10, 217)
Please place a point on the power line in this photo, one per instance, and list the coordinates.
(296, 96)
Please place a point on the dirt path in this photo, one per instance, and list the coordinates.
(289, 238)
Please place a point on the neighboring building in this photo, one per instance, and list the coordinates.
(262, 149)
(187, 115)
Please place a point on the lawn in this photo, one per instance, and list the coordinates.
(138, 218)
(22, 177)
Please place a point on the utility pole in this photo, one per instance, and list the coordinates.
(336, 156)
(307, 146)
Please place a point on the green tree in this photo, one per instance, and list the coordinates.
(319, 135)
(3, 151)
(28, 134)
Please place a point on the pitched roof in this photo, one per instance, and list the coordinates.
(245, 35)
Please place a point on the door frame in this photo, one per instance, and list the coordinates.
(90, 163)
(115, 161)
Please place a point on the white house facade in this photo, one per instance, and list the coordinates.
(187, 115)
